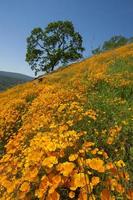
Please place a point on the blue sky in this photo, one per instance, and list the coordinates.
(96, 20)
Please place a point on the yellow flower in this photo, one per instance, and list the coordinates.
(54, 183)
(120, 188)
(83, 195)
(88, 144)
(50, 161)
(81, 151)
(92, 197)
(100, 152)
(105, 195)
(43, 187)
(31, 175)
(71, 194)
(120, 163)
(70, 122)
(79, 180)
(124, 175)
(95, 180)
(96, 164)
(25, 187)
(62, 107)
(8, 185)
(130, 194)
(63, 128)
(94, 151)
(73, 157)
(66, 168)
(113, 183)
(110, 140)
(105, 155)
(109, 166)
(53, 196)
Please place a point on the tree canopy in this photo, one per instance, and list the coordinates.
(112, 43)
(57, 44)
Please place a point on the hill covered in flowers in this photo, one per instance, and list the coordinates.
(70, 136)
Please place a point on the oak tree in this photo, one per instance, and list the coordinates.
(55, 45)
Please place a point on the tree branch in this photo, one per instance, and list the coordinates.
(40, 45)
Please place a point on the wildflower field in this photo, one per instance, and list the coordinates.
(70, 136)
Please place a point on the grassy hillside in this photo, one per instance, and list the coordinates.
(9, 79)
(70, 136)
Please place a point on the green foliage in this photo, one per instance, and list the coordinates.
(30, 98)
(121, 66)
(112, 43)
(130, 40)
(57, 44)
(113, 102)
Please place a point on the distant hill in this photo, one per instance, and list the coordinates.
(10, 79)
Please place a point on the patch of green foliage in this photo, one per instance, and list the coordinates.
(114, 42)
(121, 65)
(113, 103)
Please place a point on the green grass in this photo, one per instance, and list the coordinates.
(121, 65)
(114, 104)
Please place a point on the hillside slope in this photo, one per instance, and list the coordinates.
(10, 79)
(70, 136)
